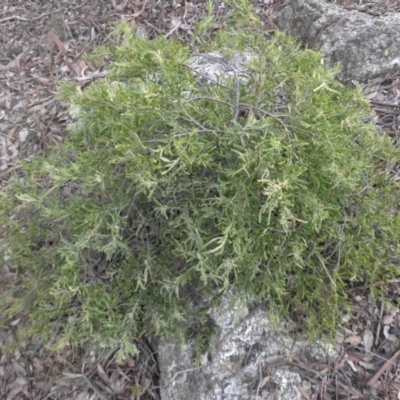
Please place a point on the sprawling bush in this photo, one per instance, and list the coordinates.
(171, 187)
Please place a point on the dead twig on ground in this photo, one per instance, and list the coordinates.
(388, 364)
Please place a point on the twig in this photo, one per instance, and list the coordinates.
(375, 283)
(342, 388)
(88, 382)
(237, 97)
(211, 99)
(302, 391)
(261, 381)
(198, 124)
(29, 19)
(12, 169)
(14, 17)
(47, 127)
(178, 24)
(378, 328)
(96, 74)
(271, 115)
(381, 357)
(378, 103)
(158, 30)
(388, 364)
(100, 358)
(14, 62)
(89, 44)
(94, 387)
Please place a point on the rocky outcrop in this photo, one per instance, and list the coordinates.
(366, 46)
(247, 359)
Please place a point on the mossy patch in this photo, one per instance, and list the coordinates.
(171, 186)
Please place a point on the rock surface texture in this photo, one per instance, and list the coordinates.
(366, 46)
(243, 346)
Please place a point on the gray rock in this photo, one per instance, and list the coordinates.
(366, 46)
(216, 66)
(245, 341)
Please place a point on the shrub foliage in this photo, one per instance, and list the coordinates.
(170, 186)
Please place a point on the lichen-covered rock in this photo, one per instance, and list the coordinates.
(244, 344)
(366, 46)
(216, 66)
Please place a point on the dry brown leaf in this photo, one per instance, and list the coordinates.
(103, 374)
(18, 368)
(353, 340)
(339, 340)
(371, 95)
(104, 387)
(175, 22)
(264, 381)
(6, 103)
(14, 63)
(21, 381)
(82, 65)
(70, 375)
(4, 359)
(388, 335)
(352, 366)
(389, 318)
(131, 362)
(13, 393)
(54, 37)
(151, 393)
(354, 356)
(368, 339)
(190, 7)
(122, 373)
(15, 322)
(303, 392)
(115, 382)
(37, 364)
(84, 396)
(146, 382)
(23, 135)
(138, 13)
(74, 66)
(119, 386)
(369, 366)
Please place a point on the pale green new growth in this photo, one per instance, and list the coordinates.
(171, 188)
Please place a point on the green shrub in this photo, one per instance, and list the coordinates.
(170, 188)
